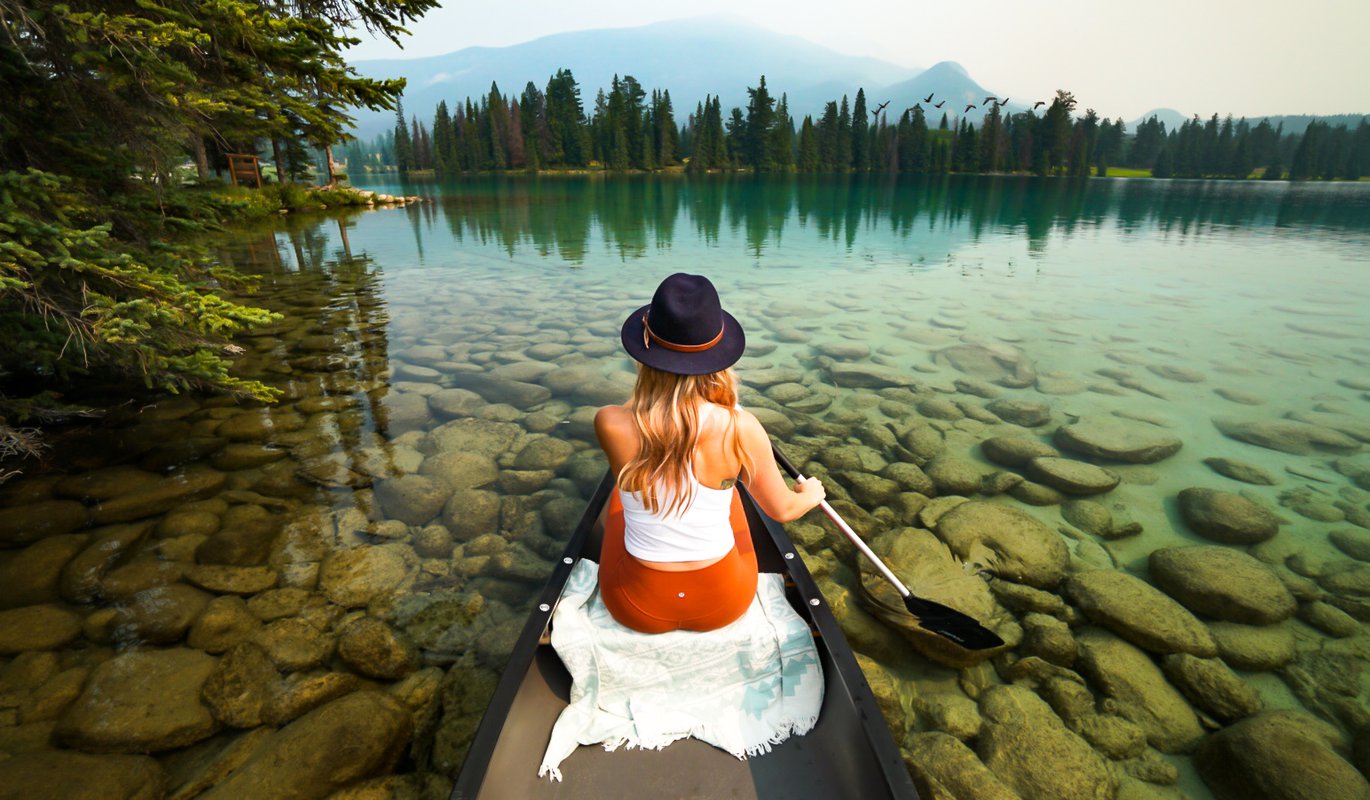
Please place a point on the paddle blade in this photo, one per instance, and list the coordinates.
(951, 624)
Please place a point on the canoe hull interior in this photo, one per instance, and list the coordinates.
(848, 754)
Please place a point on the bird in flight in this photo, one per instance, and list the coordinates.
(940, 104)
(969, 107)
(928, 99)
(1005, 102)
(879, 108)
(1038, 103)
(987, 99)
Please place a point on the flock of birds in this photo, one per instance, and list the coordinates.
(969, 107)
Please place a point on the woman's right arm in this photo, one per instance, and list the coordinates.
(763, 479)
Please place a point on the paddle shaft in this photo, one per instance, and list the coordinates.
(842, 525)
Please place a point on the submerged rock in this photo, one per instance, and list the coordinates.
(1256, 649)
(79, 776)
(354, 737)
(142, 701)
(354, 578)
(1275, 755)
(1007, 541)
(1118, 440)
(1226, 517)
(1072, 477)
(1222, 583)
(1032, 751)
(1015, 451)
(1134, 683)
(43, 627)
(1212, 686)
(29, 523)
(1138, 612)
(1288, 436)
(942, 766)
(1240, 471)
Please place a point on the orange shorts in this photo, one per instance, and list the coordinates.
(655, 601)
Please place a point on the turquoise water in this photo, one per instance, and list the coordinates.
(889, 322)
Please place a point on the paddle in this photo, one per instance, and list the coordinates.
(934, 617)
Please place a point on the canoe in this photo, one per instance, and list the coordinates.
(849, 752)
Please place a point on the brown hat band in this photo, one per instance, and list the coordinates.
(648, 337)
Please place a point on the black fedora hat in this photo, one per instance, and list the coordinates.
(684, 330)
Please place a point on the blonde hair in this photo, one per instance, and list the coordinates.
(665, 409)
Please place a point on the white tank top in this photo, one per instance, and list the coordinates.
(701, 530)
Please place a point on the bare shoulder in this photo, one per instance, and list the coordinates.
(613, 420)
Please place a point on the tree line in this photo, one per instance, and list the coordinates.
(627, 129)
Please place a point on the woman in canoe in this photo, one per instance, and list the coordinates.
(677, 552)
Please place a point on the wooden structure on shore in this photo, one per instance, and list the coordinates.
(244, 169)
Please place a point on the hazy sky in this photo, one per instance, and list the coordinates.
(1248, 57)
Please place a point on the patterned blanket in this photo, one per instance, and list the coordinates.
(742, 688)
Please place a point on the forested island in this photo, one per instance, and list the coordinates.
(627, 129)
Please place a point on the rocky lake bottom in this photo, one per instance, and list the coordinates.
(1152, 480)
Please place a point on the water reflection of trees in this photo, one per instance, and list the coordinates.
(634, 216)
(329, 355)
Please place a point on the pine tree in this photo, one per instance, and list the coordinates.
(404, 146)
(808, 160)
(844, 136)
(860, 144)
(757, 133)
(782, 136)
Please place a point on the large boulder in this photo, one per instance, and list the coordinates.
(351, 738)
(1288, 436)
(1222, 583)
(33, 575)
(502, 390)
(1001, 364)
(1212, 686)
(79, 776)
(460, 470)
(141, 701)
(1030, 749)
(1277, 755)
(1007, 541)
(1138, 612)
(1226, 517)
(1139, 691)
(412, 499)
(1071, 476)
(1015, 451)
(355, 577)
(1118, 440)
(944, 767)
(44, 627)
(1252, 648)
(29, 523)
(159, 494)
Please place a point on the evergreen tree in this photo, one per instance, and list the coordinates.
(844, 136)
(860, 142)
(782, 136)
(756, 134)
(827, 138)
(1161, 168)
(808, 160)
(404, 146)
(442, 137)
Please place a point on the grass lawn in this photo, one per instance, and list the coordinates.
(1128, 172)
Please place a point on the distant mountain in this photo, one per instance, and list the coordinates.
(1171, 118)
(948, 81)
(1293, 123)
(690, 57)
